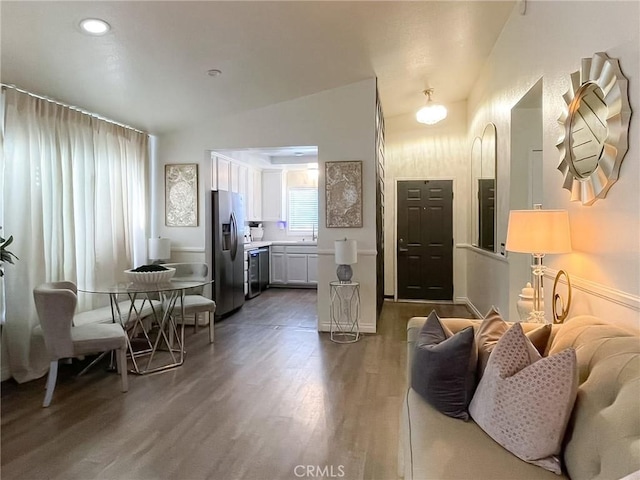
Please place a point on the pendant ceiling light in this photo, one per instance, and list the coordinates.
(432, 112)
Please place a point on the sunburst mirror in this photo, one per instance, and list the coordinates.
(596, 125)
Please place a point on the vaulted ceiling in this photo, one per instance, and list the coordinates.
(150, 70)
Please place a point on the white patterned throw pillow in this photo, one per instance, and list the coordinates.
(524, 401)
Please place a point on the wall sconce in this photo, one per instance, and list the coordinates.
(431, 113)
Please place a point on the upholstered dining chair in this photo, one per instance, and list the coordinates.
(56, 304)
(194, 302)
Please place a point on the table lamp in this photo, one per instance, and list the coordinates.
(538, 232)
(159, 250)
(346, 255)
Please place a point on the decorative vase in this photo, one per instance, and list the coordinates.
(525, 302)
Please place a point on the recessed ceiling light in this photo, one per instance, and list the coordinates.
(94, 26)
(214, 72)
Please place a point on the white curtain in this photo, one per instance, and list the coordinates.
(74, 199)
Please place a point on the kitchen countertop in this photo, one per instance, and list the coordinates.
(252, 245)
(266, 243)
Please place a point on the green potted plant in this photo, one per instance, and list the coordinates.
(6, 255)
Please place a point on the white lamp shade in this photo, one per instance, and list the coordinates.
(159, 248)
(538, 231)
(346, 252)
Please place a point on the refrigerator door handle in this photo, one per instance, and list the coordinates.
(234, 236)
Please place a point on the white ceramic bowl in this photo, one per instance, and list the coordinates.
(150, 277)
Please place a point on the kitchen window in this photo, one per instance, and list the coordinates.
(302, 210)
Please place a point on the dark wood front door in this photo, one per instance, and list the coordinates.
(425, 239)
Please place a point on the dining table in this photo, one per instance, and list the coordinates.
(156, 336)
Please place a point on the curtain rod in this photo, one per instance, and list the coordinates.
(72, 107)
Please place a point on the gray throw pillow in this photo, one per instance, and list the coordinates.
(443, 369)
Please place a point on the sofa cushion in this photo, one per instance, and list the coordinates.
(493, 327)
(444, 367)
(524, 401)
(437, 447)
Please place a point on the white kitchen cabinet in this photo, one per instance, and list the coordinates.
(254, 195)
(242, 187)
(294, 265)
(214, 172)
(229, 175)
(234, 179)
(312, 269)
(273, 196)
(277, 265)
(223, 174)
(296, 268)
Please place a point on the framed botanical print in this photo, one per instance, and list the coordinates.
(343, 194)
(181, 195)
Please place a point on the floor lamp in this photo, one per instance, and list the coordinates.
(538, 232)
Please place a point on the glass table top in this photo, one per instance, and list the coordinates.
(180, 283)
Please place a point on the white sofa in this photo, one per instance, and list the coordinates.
(602, 440)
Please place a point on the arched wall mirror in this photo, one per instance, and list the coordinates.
(476, 169)
(483, 181)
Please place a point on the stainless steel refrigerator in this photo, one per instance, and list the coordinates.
(227, 251)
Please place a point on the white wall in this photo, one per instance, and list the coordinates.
(549, 42)
(416, 151)
(341, 122)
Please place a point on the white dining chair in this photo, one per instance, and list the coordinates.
(56, 304)
(195, 302)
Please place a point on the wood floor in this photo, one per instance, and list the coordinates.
(269, 395)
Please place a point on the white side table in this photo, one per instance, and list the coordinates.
(345, 311)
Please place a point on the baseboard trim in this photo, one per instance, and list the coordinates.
(598, 290)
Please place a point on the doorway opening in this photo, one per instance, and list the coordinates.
(279, 229)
